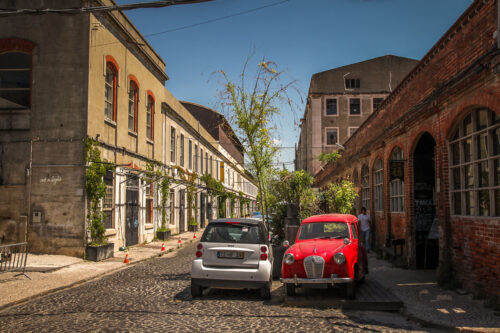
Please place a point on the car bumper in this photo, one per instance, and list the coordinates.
(231, 277)
(331, 280)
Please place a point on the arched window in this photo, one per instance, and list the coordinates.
(15, 73)
(110, 90)
(133, 99)
(378, 182)
(365, 187)
(150, 110)
(474, 151)
(397, 184)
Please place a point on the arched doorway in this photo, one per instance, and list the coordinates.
(425, 226)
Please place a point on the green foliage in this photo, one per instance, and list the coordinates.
(162, 229)
(95, 189)
(251, 107)
(154, 175)
(192, 221)
(330, 157)
(291, 187)
(340, 196)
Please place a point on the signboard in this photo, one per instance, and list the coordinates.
(397, 170)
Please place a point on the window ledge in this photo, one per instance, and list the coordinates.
(110, 122)
(331, 115)
(131, 133)
(151, 142)
(354, 115)
(148, 226)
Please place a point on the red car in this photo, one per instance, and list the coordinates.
(328, 251)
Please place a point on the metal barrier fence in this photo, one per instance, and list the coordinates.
(13, 258)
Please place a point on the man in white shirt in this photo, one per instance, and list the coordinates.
(364, 223)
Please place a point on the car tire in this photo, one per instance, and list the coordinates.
(196, 290)
(351, 290)
(290, 289)
(265, 292)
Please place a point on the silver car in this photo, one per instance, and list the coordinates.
(233, 253)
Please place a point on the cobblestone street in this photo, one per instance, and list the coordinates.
(154, 296)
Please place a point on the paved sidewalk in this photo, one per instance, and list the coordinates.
(430, 305)
(50, 273)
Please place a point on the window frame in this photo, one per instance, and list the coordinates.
(350, 106)
(373, 102)
(459, 137)
(173, 147)
(110, 65)
(150, 114)
(190, 154)
(134, 102)
(336, 106)
(396, 186)
(352, 83)
(181, 150)
(326, 136)
(15, 45)
(378, 185)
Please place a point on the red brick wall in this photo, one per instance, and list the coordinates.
(450, 73)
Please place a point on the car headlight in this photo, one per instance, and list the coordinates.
(289, 259)
(339, 258)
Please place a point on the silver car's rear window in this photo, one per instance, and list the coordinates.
(232, 233)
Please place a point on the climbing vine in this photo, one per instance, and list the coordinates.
(96, 191)
(164, 181)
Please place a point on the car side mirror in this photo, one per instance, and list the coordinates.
(286, 243)
(346, 241)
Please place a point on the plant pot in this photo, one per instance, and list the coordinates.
(193, 227)
(101, 252)
(163, 235)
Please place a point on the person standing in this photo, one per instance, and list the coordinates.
(364, 222)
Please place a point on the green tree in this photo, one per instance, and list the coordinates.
(95, 189)
(340, 196)
(251, 106)
(291, 187)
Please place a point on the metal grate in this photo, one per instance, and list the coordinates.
(314, 266)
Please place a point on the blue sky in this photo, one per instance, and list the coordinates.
(302, 36)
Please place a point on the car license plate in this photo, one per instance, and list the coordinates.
(230, 254)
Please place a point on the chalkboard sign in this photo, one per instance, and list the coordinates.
(397, 170)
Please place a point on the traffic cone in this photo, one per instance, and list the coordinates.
(194, 235)
(163, 246)
(126, 261)
(180, 240)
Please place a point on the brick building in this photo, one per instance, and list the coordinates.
(340, 100)
(427, 161)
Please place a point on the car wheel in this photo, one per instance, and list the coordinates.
(290, 289)
(265, 292)
(351, 290)
(196, 290)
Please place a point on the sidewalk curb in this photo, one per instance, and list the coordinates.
(98, 276)
(433, 324)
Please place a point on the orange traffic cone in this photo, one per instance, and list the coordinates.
(163, 246)
(126, 261)
(180, 240)
(194, 235)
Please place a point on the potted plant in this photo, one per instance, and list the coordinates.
(98, 248)
(163, 233)
(192, 225)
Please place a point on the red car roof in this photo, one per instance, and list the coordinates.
(331, 218)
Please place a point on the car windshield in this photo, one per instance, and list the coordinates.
(324, 230)
(232, 233)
